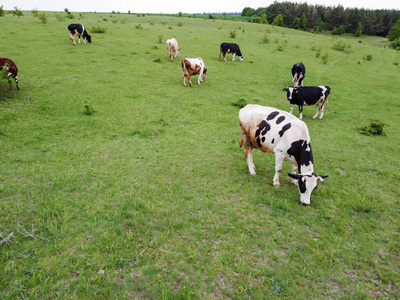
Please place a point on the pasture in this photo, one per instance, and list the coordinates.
(134, 187)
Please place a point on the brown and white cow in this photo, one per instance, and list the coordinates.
(172, 46)
(275, 131)
(11, 68)
(193, 66)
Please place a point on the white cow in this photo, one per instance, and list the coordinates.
(275, 131)
(172, 46)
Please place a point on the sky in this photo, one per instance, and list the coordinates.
(176, 6)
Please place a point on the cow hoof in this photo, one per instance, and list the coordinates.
(277, 185)
(254, 175)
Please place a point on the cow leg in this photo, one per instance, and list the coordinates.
(72, 37)
(292, 180)
(279, 157)
(301, 112)
(184, 80)
(220, 54)
(84, 40)
(233, 57)
(322, 111)
(200, 77)
(317, 112)
(225, 56)
(291, 108)
(248, 153)
(16, 82)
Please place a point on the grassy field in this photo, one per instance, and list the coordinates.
(134, 187)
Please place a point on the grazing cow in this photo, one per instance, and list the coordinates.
(11, 68)
(308, 95)
(298, 74)
(275, 131)
(193, 66)
(172, 46)
(230, 48)
(78, 30)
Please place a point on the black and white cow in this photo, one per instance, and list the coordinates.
(78, 30)
(274, 131)
(230, 48)
(11, 69)
(298, 74)
(308, 95)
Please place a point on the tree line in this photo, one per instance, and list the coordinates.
(321, 18)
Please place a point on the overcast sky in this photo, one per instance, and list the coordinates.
(176, 6)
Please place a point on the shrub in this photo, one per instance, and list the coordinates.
(17, 12)
(342, 46)
(88, 108)
(5, 82)
(339, 30)
(180, 24)
(59, 17)
(233, 34)
(138, 26)
(325, 58)
(160, 38)
(42, 17)
(240, 103)
(157, 60)
(2, 13)
(367, 57)
(265, 38)
(373, 128)
(98, 29)
(35, 13)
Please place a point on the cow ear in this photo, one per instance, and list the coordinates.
(295, 176)
(285, 90)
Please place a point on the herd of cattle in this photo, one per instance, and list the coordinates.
(265, 128)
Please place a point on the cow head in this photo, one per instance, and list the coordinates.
(87, 36)
(204, 73)
(241, 58)
(290, 90)
(307, 184)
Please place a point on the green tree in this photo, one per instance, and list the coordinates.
(278, 21)
(303, 21)
(1, 11)
(394, 32)
(359, 30)
(296, 23)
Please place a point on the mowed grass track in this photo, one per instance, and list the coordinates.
(153, 189)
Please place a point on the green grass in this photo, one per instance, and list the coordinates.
(122, 169)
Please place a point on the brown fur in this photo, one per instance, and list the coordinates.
(12, 69)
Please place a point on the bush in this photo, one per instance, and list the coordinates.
(2, 13)
(98, 29)
(59, 17)
(17, 12)
(342, 46)
(42, 17)
(88, 108)
(339, 30)
(232, 33)
(373, 128)
(5, 82)
(240, 103)
(265, 38)
(368, 57)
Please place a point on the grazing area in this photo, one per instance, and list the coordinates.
(117, 182)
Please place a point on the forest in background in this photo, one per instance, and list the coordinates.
(321, 18)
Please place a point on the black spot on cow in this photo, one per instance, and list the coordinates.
(284, 128)
(302, 186)
(273, 140)
(299, 151)
(280, 120)
(263, 128)
(272, 115)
